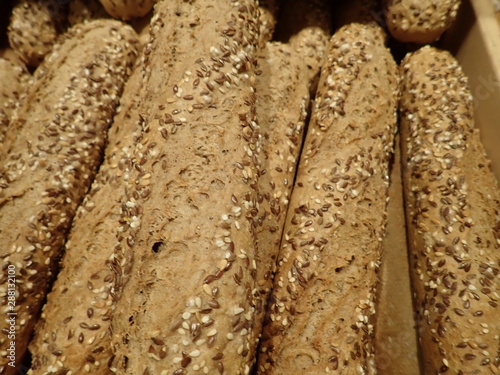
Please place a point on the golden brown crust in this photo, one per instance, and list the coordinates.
(419, 21)
(453, 218)
(323, 297)
(53, 148)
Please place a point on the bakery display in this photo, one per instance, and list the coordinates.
(49, 157)
(322, 302)
(453, 218)
(216, 192)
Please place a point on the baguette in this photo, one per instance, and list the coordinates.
(419, 21)
(453, 219)
(53, 149)
(322, 303)
(282, 106)
(62, 341)
(127, 9)
(14, 78)
(191, 231)
(33, 29)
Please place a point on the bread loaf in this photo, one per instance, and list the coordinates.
(419, 21)
(33, 29)
(72, 334)
(14, 78)
(453, 218)
(53, 149)
(127, 9)
(186, 259)
(322, 303)
(85, 10)
(286, 73)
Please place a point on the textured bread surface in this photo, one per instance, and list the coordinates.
(283, 85)
(186, 261)
(53, 148)
(321, 307)
(73, 331)
(419, 21)
(14, 78)
(33, 29)
(453, 218)
(127, 9)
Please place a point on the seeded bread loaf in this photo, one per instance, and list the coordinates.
(85, 10)
(72, 334)
(53, 149)
(14, 78)
(33, 29)
(127, 9)
(283, 86)
(192, 205)
(322, 303)
(453, 218)
(419, 21)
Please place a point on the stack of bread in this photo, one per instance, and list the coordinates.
(200, 187)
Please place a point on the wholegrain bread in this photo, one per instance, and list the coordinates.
(453, 218)
(419, 21)
(72, 334)
(53, 149)
(191, 204)
(127, 9)
(33, 29)
(14, 78)
(286, 74)
(322, 303)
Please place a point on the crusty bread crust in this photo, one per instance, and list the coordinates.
(453, 218)
(53, 148)
(320, 312)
